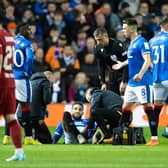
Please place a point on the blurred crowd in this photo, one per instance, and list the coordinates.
(62, 37)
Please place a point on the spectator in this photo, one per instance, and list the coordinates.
(143, 29)
(76, 91)
(144, 11)
(75, 25)
(154, 25)
(47, 19)
(54, 52)
(80, 43)
(69, 66)
(88, 49)
(112, 20)
(40, 7)
(34, 35)
(72, 127)
(10, 9)
(38, 64)
(28, 16)
(59, 23)
(164, 10)
(89, 67)
(124, 11)
(52, 39)
(57, 87)
(134, 5)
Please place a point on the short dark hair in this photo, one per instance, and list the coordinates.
(130, 22)
(164, 21)
(22, 27)
(79, 103)
(100, 31)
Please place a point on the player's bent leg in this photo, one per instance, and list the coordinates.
(15, 133)
(69, 126)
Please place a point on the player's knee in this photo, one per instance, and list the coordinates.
(67, 116)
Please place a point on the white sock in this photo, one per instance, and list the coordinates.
(19, 151)
(166, 129)
(154, 138)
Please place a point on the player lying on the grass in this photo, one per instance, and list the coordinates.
(72, 127)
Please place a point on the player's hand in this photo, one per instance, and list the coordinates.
(123, 87)
(117, 66)
(103, 86)
(137, 77)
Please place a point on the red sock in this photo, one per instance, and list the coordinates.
(15, 133)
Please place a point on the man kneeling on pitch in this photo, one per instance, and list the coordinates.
(105, 110)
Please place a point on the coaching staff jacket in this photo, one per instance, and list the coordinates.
(41, 95)
(105, 105)
(109, 55)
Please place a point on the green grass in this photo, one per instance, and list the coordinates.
(89, 156)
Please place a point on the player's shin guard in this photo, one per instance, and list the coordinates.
(15, 133)
(152, 120)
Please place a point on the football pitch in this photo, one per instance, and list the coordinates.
(89, 156)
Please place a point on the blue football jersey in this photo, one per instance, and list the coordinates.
(159, 51)
(138, 47)
(79, 123)
(23, 58)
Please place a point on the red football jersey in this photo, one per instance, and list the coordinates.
(7, 52)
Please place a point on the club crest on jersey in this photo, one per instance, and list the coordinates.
(113, 57)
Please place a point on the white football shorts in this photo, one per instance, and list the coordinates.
(160, 90)
(139, 94)
(23, 90)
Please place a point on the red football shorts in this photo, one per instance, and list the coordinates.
(7, 101)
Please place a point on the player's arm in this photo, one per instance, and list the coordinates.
(29, 60)
(145, 66)
(119, 65)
